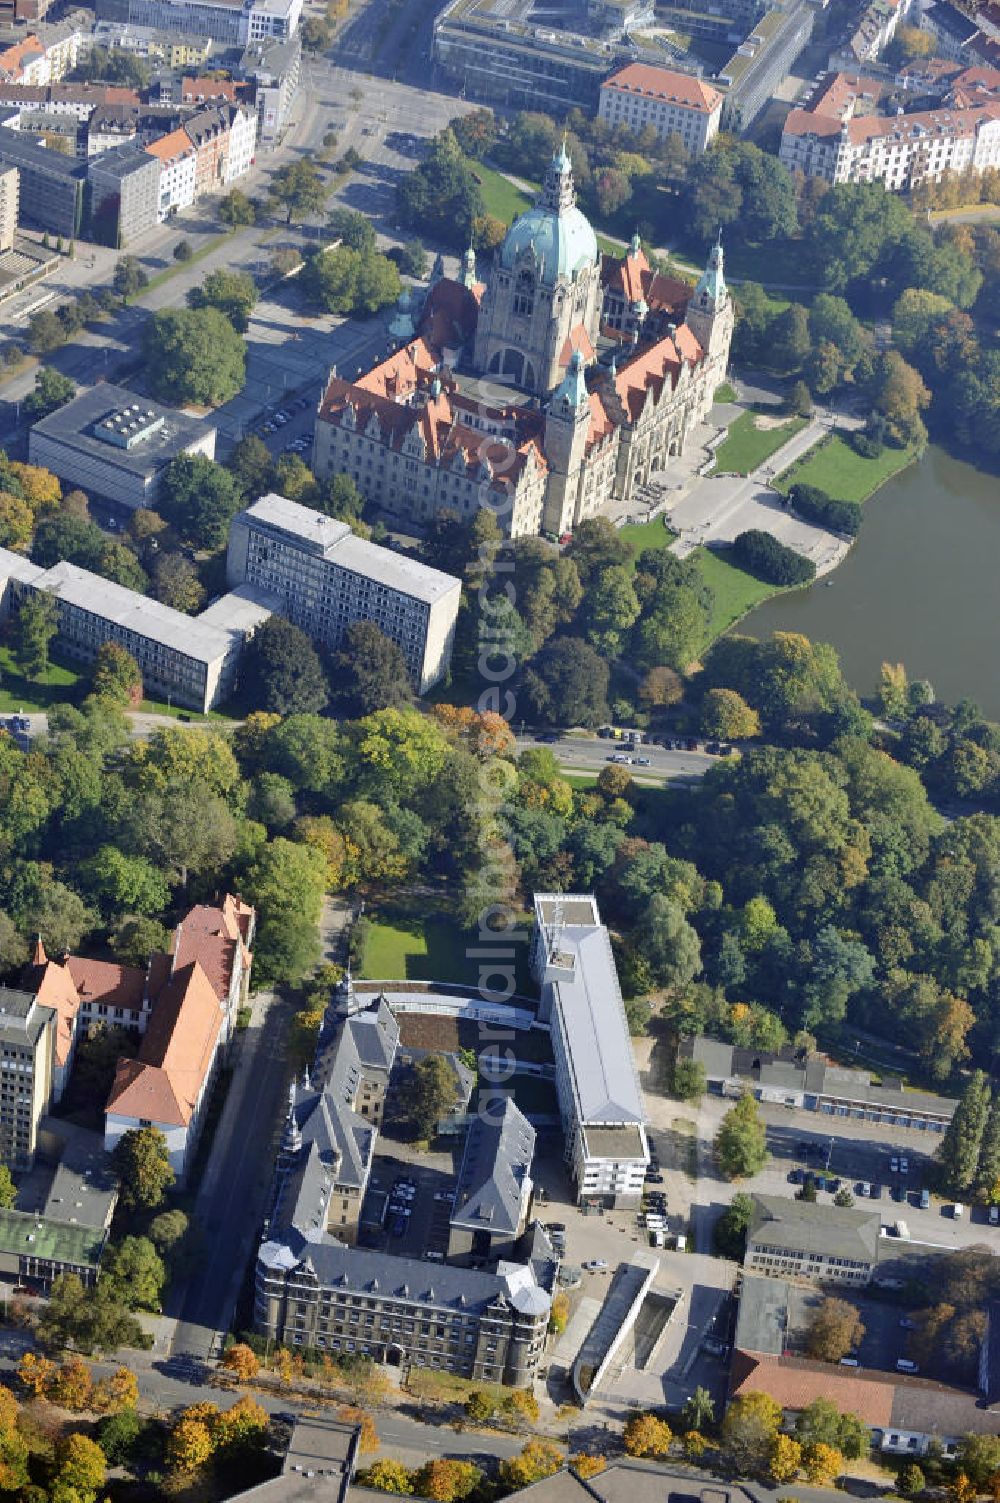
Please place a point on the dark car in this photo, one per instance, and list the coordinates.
(713, 748)
(398, 1226)
(833, 1185)
(898, 1192)
(795, 1176)
(655, 1179)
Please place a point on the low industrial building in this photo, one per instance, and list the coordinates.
(800, 1239)
(600, 1099)
(319, 575)
(63, 1211)
(114, 446)
(816, 1085)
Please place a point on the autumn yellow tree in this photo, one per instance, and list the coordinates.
(80, 1470)
(645, 1435)
(559, 1313)
(585, 1465)
(37, 1374)
(240, 1361)
(387, 1476)
(785, 1458)
(447, 1481)
(242, 1425)
(13, 1446)
(539, 1458)
(962, 1489)
(188, 1446)
(822, 1464)
(368, 1439)
(694, 1444)
(72, 1385)
(118, 1391)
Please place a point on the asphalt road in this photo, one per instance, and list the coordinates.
(232, 1197)
(589, 754)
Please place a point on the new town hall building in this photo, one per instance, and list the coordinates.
(546, 393)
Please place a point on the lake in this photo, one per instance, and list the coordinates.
(919, 587)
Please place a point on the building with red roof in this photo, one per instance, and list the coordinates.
(642, 96)
(546, 390)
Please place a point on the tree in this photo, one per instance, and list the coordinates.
(911, 1480)
(959, 1149)
(741, 1142)
(427, 1094)
(350, 281)
(241, 1362)
(284, 669)
(785, 1459)
(729, 1233)
(72, 1385)
(822, 1464)
(183, 251)
(748, 1432)
(52, 390)
(480, 1407)
(660, 687)
(142, 1163)
(188, 1446)
(447, 1481)
(118, 1393)
(559, 1313)
(689, 1083)
(567, 684)
(978, 1456)
(37, 623)
(193, 355)
(80, 1470)
(835, 1329)
(118, 1437)
(822, 1421)
(199, 498)
(17, 523)
(251, 466)
(539, 1458)
(36, 1374)
(897, 391)
(698, 1412)
(612, 606)
(388, 1476)
(762, 555)
(646, 1435)
(135, 938)
(176, 583)
(129, 277)
(789, 337)
(129, 883)
(233, 293)
(372, 669)
(585, 1465)
(726, 716)
(668, 943)
(117, 677)
(236, 209)
(135, 1273)
(441, 197)
(298, 190)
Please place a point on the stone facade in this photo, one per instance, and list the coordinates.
(546, 393)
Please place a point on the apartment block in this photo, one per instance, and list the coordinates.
(51, 192)
(600, 1099)
(9, 192)
(323, 578)
(640, 96)
(273, 68)
(178, 172)
(800, 1239)
(27, 1062)
(124, 194)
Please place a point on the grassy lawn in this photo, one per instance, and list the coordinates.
(57, 686)
(500, 197)
(644, 535)
(735, 591)
(178, 712)
(406, 945)
(579, 779)
(746, 446)
(838, 469)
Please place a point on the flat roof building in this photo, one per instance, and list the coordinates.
(27, 1046)
(51, 184)
(230, 23)
(600, 1099)
(323, 578)
(8, 206)
(111, 444)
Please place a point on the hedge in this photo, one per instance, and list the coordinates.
(762, 555)
(816, 506)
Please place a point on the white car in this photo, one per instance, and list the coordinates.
(893, 1166)
(904, 1166)
(595, 1265)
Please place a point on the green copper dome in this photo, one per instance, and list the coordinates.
(561, 237)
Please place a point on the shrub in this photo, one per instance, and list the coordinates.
(816, 506)
(762, 555)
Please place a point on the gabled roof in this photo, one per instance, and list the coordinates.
(175, 1055)
(211, 935)
(794, 1383)
(168, 148)
(53, 986)
(495, 1166)
(107, 982)
(682, 89)
(449, 314)
(779, 1223)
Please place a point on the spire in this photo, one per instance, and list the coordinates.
(468, 277)
(711, 287)
(572, 389)
(635, 244)
(558, 195)
(38, 955)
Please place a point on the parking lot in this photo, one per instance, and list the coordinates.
(408, 1202)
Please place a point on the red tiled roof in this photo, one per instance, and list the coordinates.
(665, 83)
(449, 314)
(107, 983)
(577, 339)
(201, 89)
(175, 1055)
(14, 58)
(53, 985)
(167, 148)
(210, 936)
(794, 1383)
